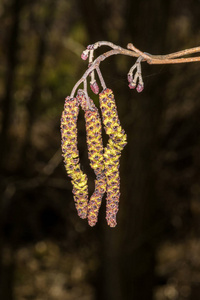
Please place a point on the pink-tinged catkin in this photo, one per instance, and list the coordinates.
(71, 155)
(140, 87)
(95, 155)
(94, 87)
(84, 54)
(112, 153)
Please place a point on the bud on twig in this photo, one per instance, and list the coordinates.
(94, 87)
(84, 54)
(140, 87)
(132, 85)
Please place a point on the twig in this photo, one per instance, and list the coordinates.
(172, 61)
(167, 59)
(86, 95)
(97, 62)
(101, 78)
(172, 58)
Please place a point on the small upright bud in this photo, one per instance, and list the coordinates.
(130, 78)
(140, 87)
(84, 55)
(94, 87)
(132, 85)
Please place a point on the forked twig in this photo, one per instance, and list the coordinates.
(167, 59)
(172, 58)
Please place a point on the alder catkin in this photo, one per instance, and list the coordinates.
(95, 155)
(112, 153)
(71, 155)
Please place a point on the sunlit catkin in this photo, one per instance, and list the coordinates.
(71, 155)
(95, 155)
(112, 153)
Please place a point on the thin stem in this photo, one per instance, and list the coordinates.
(173, 61)
(167, 59)
(178, 53)
(92, 75)
(105, 43)
(136, 65)
(101, 78)
(97, 62)
(86, 94)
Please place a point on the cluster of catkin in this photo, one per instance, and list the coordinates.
(103, 160)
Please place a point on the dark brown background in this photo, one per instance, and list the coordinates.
(47, 252)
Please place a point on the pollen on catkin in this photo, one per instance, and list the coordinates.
(95, 155)
(71, 155)
(112, 153)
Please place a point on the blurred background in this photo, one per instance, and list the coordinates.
(46, 251)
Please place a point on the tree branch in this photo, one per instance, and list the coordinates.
(172, 58)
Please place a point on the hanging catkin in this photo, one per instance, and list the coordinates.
(95, 155)
(71, 155)
(112, 153)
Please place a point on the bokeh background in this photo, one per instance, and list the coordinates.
(46, 251)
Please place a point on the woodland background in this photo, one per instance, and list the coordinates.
(46, 251)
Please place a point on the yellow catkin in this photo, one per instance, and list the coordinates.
(71, 155)
(112, 153)
(95, 155)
